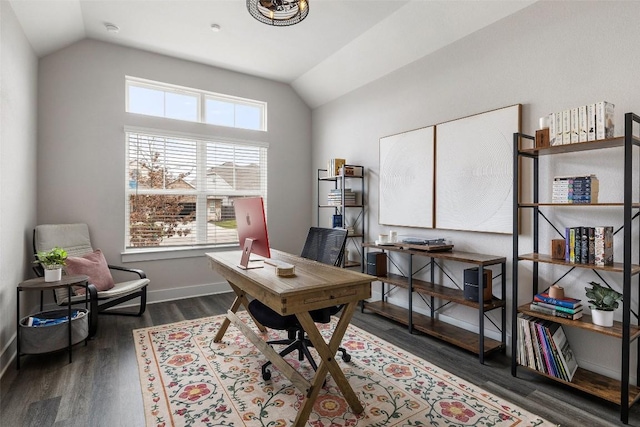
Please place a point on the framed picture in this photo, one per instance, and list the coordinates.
(474, 171)
(406, 179)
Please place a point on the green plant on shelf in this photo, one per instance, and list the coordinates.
(602, 297)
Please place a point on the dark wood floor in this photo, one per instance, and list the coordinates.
(101, 386)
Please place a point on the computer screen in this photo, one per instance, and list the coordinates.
(251, 224)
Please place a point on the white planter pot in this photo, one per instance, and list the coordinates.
(602, 317)
(52, 275)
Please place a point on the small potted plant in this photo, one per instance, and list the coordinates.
(602, 301)
(52, 261)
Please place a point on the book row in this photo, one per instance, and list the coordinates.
(543, 346)
(589, 245)
(575, 189)
(581, 124)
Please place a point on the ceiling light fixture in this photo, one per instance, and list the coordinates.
(279, 13)
(111, 28)
(215, 28)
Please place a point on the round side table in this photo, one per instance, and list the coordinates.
(38, 284)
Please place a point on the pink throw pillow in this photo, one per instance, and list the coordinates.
(93, 265)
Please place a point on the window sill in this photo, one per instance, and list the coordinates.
(156, 254)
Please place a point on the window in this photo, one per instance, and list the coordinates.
(180, 189)
(182, 103)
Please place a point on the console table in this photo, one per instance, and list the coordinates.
(430, 325)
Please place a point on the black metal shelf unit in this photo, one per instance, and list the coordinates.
(352, 215)
(620, 392)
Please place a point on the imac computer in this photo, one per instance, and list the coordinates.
(252, 230)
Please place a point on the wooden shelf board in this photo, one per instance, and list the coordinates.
(459, 256)
(575, 205)
(452, 334)
(580, 146)
(338, 177)
(438, 291)
(595, 384)
(617, 267)
(349, 264)
(585, 323)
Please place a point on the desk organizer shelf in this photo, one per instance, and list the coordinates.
(431, 325)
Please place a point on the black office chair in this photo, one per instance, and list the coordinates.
(324, 245)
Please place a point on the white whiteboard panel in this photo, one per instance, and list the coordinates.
(406, 179)
(474, 171)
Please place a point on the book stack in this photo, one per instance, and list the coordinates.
(589, 122)
(575, 189)
(334, 198)
(589, 245)
(567, 308)
(543, 346)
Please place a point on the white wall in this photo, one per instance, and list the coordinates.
(18, 80)
(548, 57)
(81, 152)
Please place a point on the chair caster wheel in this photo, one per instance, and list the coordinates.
(266, 375)
(346, 357)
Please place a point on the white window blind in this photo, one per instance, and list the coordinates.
(180, 190)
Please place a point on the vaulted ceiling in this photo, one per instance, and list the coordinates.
(340, 46)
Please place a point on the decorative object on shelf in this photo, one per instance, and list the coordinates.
(542, 138)
(279, 13)
(556, 292)
(603, 301)
(52, 261)
(334, 166)
(557, 248)
(349, 170)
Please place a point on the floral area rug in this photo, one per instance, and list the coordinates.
(188, 380)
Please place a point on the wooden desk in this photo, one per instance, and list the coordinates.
(314, 286)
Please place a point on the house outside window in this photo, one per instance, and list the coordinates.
(180, 190)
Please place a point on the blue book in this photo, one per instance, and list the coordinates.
(564, 302)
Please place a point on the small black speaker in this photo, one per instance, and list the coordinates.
(377, 264)
(471, 284)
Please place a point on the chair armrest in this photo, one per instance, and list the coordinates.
(137, 271)
(38, 270)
